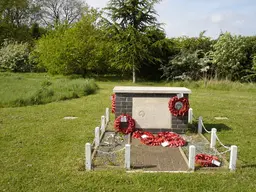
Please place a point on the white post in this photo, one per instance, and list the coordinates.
(192, 155)
(97, 136)
(107, 115)
(102, 127)
(233, 158)
(213, 137)
(200, 119)
(190, 115)
(88, 157)
(127, 156)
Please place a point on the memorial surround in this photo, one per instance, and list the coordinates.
(148, 106)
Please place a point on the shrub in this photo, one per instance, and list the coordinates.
(90, 87)
(14, 57)
(187, 66)
(228, 56)
(79, 49)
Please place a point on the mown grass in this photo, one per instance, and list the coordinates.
(27, 89)
(40, 151)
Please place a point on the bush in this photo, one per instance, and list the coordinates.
(14, 57)
(187, 66)
(79, 49)
(251, 73)
(228, 56)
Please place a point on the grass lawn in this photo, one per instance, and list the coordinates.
(32, 89)
(40, 151)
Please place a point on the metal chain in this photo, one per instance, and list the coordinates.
(204, 127)
(104, 152)
(221, 153)
(229, 148)
(216, 137)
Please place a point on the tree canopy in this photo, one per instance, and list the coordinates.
(68, 37)
(131, 18)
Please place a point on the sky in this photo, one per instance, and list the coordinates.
(190, 17)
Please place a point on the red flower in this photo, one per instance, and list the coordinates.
(127, 130)
(178, 111)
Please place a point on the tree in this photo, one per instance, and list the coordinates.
(191, 44)
(228, 56)
(16, 18)
(161, 49)
(131, 18)
(191, 59)
(79, 49)
(14, 12)
(54, 12)
(249, 64)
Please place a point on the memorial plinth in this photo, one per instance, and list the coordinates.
(148, 106)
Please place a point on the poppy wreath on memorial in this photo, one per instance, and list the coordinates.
(205, 160)
(178, 106)
(126, 130)
(113, 104)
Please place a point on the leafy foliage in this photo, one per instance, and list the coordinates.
(160, 49)
(187, 66)
(228, 56)
(131, 41)
(75, 50)
(136, 13)
(14, 57)
(131, 48)
(191, 59)
(130, 18)
(249, 69)
(191, 44)
(15, 19)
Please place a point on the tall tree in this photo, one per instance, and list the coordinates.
(131, 18)
(15, 19)
(59, 11)
(161, 49)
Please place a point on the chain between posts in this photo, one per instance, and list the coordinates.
(105, 152)
(226, 147)
(204, 127)
(229, 148)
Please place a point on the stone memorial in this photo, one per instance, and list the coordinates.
(149, 107)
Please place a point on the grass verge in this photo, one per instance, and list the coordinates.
(27, 89)
(40, 151)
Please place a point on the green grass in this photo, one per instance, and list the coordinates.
(40, 151)
(34, 89)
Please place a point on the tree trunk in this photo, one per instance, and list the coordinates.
(133, 75)
(216, 74)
